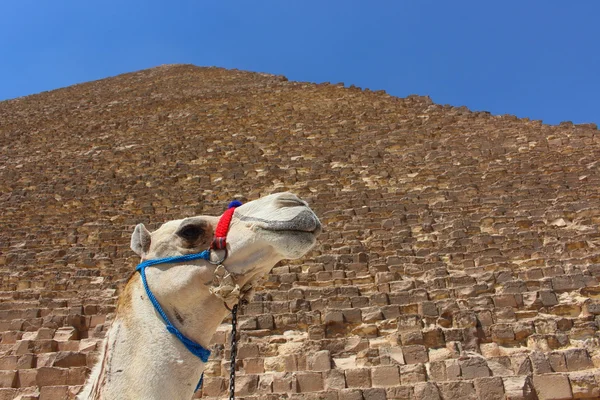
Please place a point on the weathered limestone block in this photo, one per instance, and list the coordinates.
(8, 379)
(374, 394)
(411, 337)
(319, 361)
(552, 387)
(539, 363)
(503, 333)
(284, 383)
(474, 367)
(246, 385)
(415, 354)
(309, 381)
(334, 379)
(47, 376)
(490, 388)
(410, 374)
(557, 361)
(521, 363)
(519, 388)
(433, 337)
(464, 319)
(248, 350)
(584, 385)
(351, 394)
(385, 376)
(436, 371)
(274, 364)
(214, 386)
(358, 378)
(426, 391)
(54, 392)
(578, 359)
(352, 315)
(68, 359)
(457, 390)
(66, 333)
(452, 369)
(253, 365)
(399, 392)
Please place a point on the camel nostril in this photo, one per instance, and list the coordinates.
(290, 200)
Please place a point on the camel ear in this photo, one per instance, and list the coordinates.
(140, 240)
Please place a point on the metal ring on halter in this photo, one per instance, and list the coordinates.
(221, 260)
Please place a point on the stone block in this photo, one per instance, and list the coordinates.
(28, 377)
(309, 381)
(358, 378)
(351, 394)
(457, 390)
(68, 359)
(426, 391)
(374, 394)
(77, 376)
(54, 392)
(437, 371)
(411, 337)
(433, 337)
(26, 361)
(584, 385)
(253, 365)
(385, 376)
(320, 361)
(490, 388)
(415, 354)
(284, 383)
(246, 385)
(410, 374)
(578, 359)
(552, 387)
(47, 376)
(248, 350)
(248, 324)
(503, 333)
(540, 363)
(214, 386)
(452, 369)
(275, 364)
(8, 362)
(557, 361)
(474, 367)
(265, 384)
(265, 321)
(8, 379)
(10, 394)
(334, 379)
(352, 315)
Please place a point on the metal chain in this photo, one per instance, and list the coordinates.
(233, 351)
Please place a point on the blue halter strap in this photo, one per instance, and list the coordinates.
(220, 244)
(194, 348)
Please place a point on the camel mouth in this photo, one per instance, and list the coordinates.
(305, 222)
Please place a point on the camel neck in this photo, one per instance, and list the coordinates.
(141, 359)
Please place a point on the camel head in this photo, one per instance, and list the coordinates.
(261, 233)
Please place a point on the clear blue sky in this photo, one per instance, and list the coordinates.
(532, 58)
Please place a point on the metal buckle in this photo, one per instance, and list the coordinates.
(219, 261)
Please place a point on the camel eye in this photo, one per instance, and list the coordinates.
(190, 233)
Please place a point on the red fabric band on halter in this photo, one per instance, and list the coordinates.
(220, 240)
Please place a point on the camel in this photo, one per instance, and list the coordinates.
(140, 359)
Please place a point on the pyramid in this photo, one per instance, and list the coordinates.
(460, 257)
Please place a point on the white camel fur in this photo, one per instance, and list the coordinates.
(139, 358)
